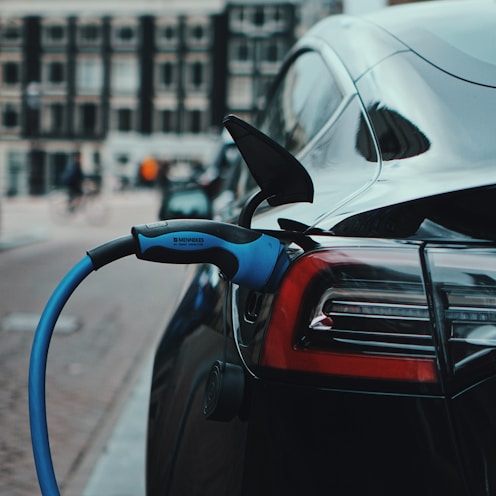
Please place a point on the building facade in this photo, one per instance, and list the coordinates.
(118, 83)
(254, 57)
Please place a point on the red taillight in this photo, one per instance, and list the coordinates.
(359, 312)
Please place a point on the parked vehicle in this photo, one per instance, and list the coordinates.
(208, 194)
(372, 368)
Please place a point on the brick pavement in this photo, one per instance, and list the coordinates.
(90, 371)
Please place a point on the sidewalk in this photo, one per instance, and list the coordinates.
(17, 227)
(120, 470)
(98, 431)
(17, 230)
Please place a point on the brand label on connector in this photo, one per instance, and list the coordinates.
(188, 241)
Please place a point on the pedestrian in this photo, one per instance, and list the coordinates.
(148, 171)
(73, 179)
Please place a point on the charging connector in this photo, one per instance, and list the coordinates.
(248, 258)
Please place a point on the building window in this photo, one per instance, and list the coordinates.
(197, 75)
(166, 35)
(11, 33)
(89, 76)
(11, 73)
(125, 75)
(167, 121)
(16, 172)
(238, 16)
(167, 74)
(124, 118)
(88, 118)
(10, 117)
(56, 117)
(273, 51)
(259, 16)
(169, 33)
(243, 52)
(90, 34)
(276, 18)
(55, 34)
(195, 121)
(125, 35)
(56, 73)
(241, 56)
(198, 34)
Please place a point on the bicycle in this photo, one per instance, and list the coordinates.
(90, 205)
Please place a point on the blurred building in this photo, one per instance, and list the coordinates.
(121, 80)
(258, 38)
(118, 86)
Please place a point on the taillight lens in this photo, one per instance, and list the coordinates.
(356, 312)
(464, 284)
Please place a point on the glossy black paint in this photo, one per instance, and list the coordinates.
(406, 156)
(289, 440)
(313, 441)
(182, 460)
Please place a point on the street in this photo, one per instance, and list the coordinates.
(107, 334)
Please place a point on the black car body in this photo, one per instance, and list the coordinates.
(372, 368)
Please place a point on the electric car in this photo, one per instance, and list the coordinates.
(370, 368)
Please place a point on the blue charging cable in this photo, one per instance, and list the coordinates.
(245, 257)
(37, 374)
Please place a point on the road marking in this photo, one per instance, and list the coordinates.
(28, 322)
